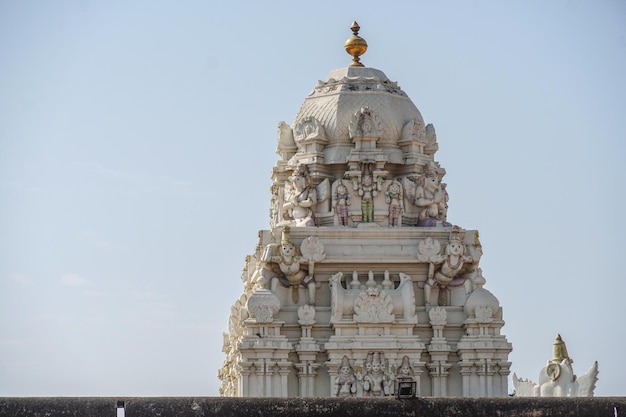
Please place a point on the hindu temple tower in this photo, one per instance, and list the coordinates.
(361, 285)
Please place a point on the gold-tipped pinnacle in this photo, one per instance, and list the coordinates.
(355, 45)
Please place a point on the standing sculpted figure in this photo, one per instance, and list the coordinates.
(367, 189)
(393, 197)
(292, 266)
(341, 203)
(443, 272)
(345, 382)
(376, 383)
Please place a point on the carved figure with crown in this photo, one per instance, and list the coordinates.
(367, 189)
(376, 382)
(345, 382)
(292, 268)
(447, 270)
(341, 201)
(430, 197)
(393, 197)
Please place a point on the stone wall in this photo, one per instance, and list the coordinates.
(301, 407)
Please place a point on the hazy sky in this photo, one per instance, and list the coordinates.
(137, 139)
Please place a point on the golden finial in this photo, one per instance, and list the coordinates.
(356, 45)
(559, 350)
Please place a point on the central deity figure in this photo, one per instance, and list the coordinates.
(376, 383)
(367, 189)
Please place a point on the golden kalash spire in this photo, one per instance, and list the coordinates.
(355, 45)
(559, 350)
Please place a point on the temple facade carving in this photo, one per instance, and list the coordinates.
(361, 284)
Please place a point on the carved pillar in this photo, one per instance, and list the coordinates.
(485, 374)
(489, 373)
(307, 351)
(282, 370)
(259, 374)
(503, 373)
(245, 370)
(307, 371)
(439, 350)
(439, 375)
(467, 369)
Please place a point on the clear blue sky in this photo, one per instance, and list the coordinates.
(137, 138)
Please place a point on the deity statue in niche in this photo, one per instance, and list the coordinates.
(345, 382)
(393, 197)
(300, 198)
(376, 382)
(367, 188)
(445, 271)
(430, 197)
(341, 203)
(405, 371)
(292, 267)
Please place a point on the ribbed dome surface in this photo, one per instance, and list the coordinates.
(334, 101)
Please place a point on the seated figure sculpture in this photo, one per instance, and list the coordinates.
(292, 267)
(300, 198)
(446, 271)
(430, 197)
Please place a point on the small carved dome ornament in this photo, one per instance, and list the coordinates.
(481, 303)
(355, 45)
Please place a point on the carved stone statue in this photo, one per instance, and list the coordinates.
(292, 266)
(430, 197)
(557, 378)
(405, 371)
(341, 201)
(444, 272)
(394, 198)
(367, 189)
(300, 198)
(345, 382)
(376, 383)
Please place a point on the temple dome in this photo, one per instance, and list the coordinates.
(335, 101)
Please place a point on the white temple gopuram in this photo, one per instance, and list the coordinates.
(362, 287)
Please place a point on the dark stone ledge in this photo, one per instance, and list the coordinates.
(310, 407)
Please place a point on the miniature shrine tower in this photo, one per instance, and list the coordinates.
(362, 284)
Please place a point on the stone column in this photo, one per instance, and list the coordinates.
(439, 350)
(439, 375)
(467, 370)
(307, 372)
(307, 350)
(283, 369)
